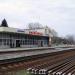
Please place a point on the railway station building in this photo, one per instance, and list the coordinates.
(13, 38)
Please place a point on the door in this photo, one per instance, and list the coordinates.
(17, 43)
(41, 43)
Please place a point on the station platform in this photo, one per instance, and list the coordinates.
(35, 48)
(30, 52)
(21, 49)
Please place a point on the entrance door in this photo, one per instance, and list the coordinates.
(17, 43)
(41, 43)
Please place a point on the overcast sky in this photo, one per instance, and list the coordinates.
(57, 14)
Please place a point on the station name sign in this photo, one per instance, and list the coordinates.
(35, 33)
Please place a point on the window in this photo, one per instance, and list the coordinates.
(0, 41)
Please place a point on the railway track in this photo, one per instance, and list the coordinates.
(63, 65)
(55, 63)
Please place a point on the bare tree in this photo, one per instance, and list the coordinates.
(71, 39)
(34, 25)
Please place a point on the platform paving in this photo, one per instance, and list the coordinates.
(29, 53)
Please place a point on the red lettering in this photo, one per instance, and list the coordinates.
(35, 33)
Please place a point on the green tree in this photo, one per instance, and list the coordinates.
(4, 23)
